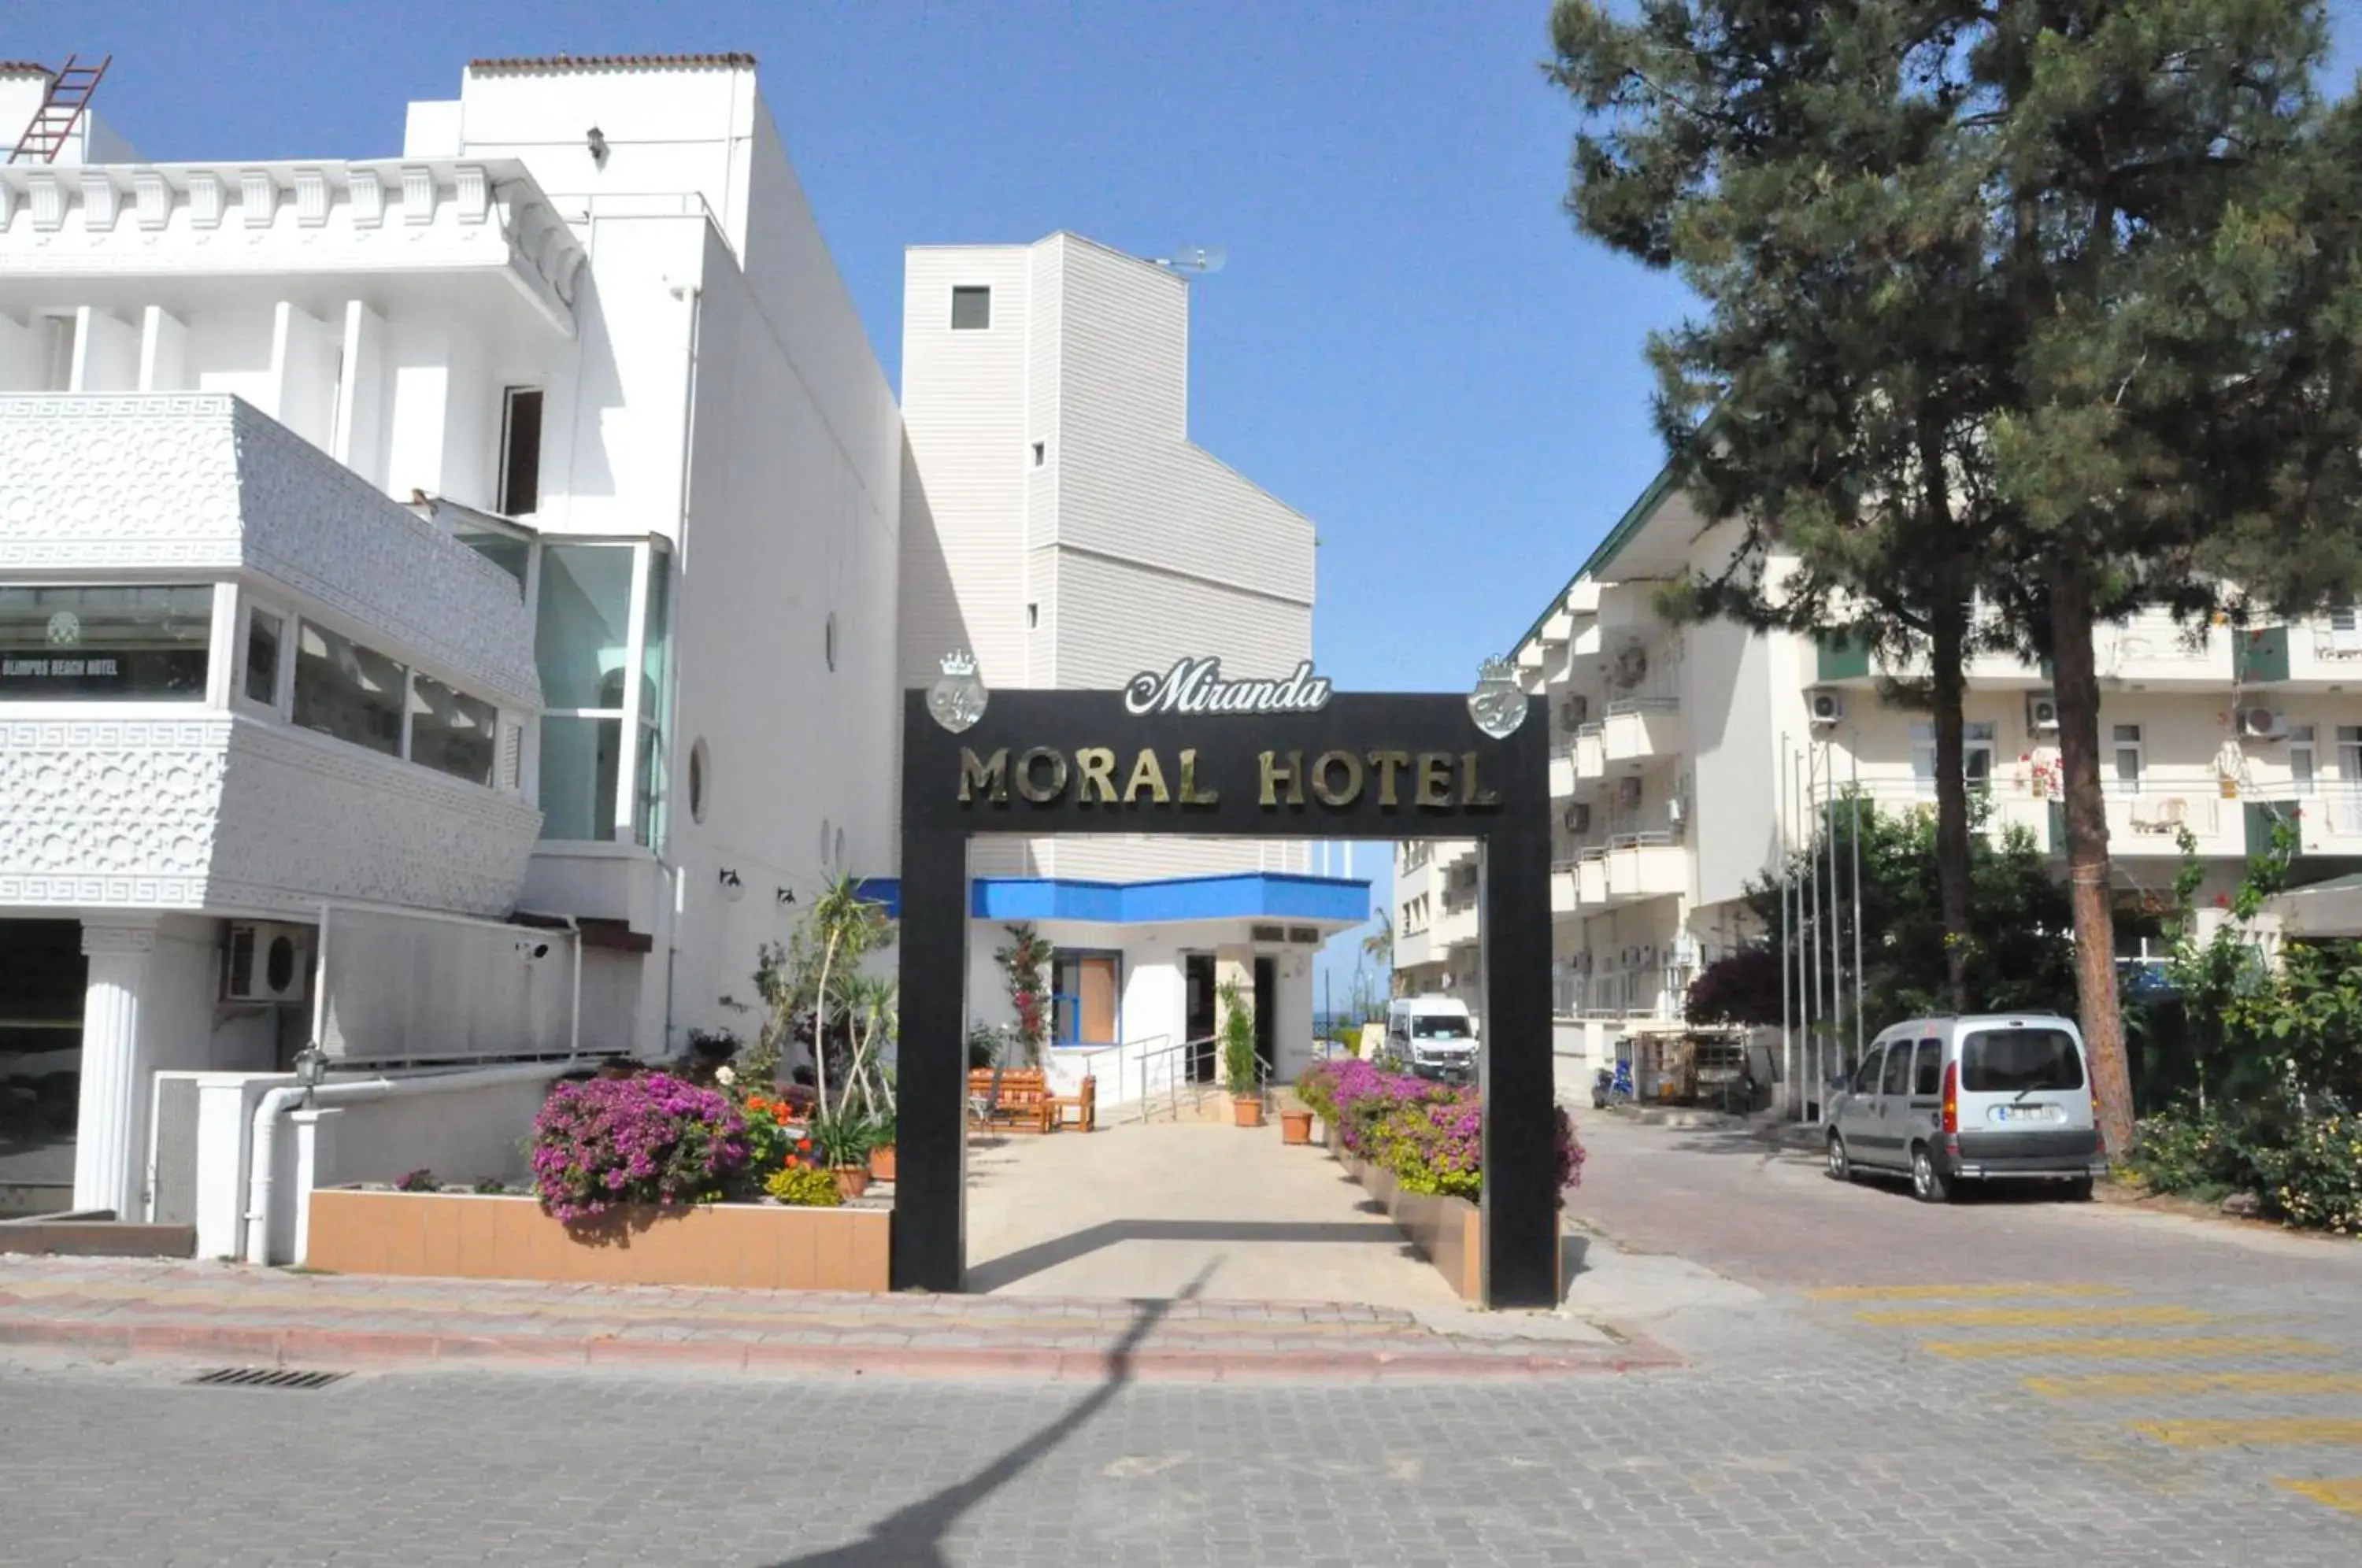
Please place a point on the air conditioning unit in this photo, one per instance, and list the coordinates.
(2261, 723)
(2042, 713)
(1578, 818)
(1823, 706)
(1627, 793)
(1576, 710)
(266, 962)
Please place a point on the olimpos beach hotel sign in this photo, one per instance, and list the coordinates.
(1195, 686)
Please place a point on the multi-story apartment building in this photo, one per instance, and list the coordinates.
(1688, 759)
(1059, 523)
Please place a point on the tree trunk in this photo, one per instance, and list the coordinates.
(2077, 687)
(1948, 626)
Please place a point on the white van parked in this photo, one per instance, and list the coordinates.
(1992, 1097)
(1432, 1037)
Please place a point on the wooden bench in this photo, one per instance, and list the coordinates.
(1085, 1104)
(1020, 1102)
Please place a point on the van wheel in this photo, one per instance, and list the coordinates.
(1927, 1182)
(1841, 1163)
(2078, 1191)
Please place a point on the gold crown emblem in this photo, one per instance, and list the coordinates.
(1496, 670)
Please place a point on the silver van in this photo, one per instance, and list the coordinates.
(1992, 1096)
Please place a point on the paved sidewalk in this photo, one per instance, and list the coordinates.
(237, 1313)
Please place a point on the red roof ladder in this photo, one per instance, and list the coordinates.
(54, 121)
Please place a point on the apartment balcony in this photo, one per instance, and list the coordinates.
(2330, 822)
(1630, 865)
(1640, 729)
(2322, 654)
(2152, 650)
(1841, 661)
(1455, 926)
(2147, 824)
(1629, 994)
(1561, 774)
(1565, 883)
(1590, 753)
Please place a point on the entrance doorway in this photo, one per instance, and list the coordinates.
(42, 975)
(1275, 760)
(1199, 1014)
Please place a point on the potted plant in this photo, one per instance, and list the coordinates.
(881, 1143)
(1295, 1126)
(1239, 1063)
(840, 1142)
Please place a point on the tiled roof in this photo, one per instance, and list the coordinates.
(25, 68)
(616, 61)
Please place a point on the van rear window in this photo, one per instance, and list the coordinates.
(1437, 1026)
(2010, 1061)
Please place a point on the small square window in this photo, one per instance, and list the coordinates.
(971, 309)
(1032, 616)
(1041, 449)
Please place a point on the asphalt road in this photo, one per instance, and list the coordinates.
(1873, 1383)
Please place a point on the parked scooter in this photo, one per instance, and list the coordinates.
(1607, 1087)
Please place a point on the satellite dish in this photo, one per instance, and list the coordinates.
(1199, 259)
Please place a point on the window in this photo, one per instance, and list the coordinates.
(1041, 450)
(699, 765)
(1865, 1078)
(262, 633)
(452, 732)
(351, 692)
(1928, 1075)
(589, 644)
(1976, 756)
(2012, 1061)
(2350, 754)
(971, 309)
(81, 644)
(1084, 989)
(828, 639)
(2303, 759)
(2127, 739)
(1032, 616)
(521, 452)
(1896, 1079)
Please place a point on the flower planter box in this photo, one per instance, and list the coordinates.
(1446, 1232)
(753, 1246)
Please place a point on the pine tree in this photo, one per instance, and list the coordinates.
(2126, 323)
(1797, 165)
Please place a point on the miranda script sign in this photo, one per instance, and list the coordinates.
(1195, 686)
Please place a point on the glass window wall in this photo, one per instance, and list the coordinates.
(79, 645)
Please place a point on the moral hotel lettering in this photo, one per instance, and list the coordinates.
(1436, 781)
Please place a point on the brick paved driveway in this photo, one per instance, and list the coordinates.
(1988, 1384)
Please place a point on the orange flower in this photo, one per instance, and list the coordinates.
(803, 1145)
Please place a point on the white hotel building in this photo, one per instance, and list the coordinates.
(454, 605)
(1685, 759)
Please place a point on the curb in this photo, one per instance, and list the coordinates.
(378, 1348)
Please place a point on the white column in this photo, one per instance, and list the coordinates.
(314, 1165)
(110, 1143)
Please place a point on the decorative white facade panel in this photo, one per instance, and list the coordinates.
(229, 815)
(206, 483)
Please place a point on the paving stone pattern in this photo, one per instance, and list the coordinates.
(119, 1307)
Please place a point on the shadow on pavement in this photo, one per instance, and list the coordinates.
(915, 1534)
(1011, 1267)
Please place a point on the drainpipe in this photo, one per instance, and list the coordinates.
(275, 1105)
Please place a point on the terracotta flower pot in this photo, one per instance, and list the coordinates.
(1246, 1111)
(852, 1181)
(1295, 1127)
(881, 1162)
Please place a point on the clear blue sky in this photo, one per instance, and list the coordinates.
(1409, 344)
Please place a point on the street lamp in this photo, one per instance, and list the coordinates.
(311, 1067)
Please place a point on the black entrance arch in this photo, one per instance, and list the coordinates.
(1360, 765)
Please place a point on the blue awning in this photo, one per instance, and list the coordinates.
(1248, 895)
